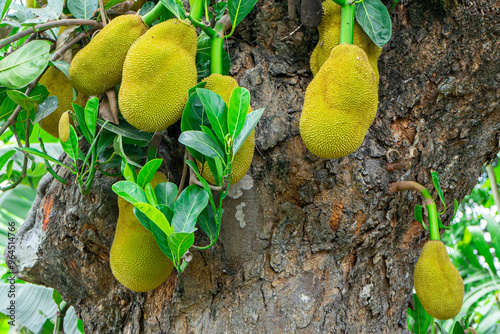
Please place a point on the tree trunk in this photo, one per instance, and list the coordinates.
(308, 245)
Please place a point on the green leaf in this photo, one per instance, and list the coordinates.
(193, 116)
(42, 155)
(418, 216)
(468, 252)
(494, 229)
(239, 103)
(91, 111)
(130, 191)
(25, 64)
(5, 157)
(204, 182)
(46, 108)
(22, 99)
(52, 10)
(216, 110)
(215, 166)
(71, 145)
(6, 5)
(203, 57)
(148, 172)
(146, 8)
(80, 118)
(56, 296)
(422, 320)
(126, 130)
(128, 172)
(82, 9)
(188, 206)
(118, 147)
(250, 124)
(166, 194)
(150, 194)
(105, 140)
(239, 9)
(62, 66)
(174, 7)
(455, 209)
(143, 219)
(179, 244)
(206, 220)
(458, 328)
(437, 186)
(202, 143)
(156, 216)
(373, 17)
(475, 234)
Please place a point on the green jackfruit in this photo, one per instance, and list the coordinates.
(57, 83)
(438, 284)
(98, 66)
(158, 71)
(136, 260)
(224, 86)
(329, 35)
(64, 129)
(340, 104)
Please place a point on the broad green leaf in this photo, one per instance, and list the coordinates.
(475, 234)
(51, 11)
(239, 9)
(150, 194)
(156, 216)
(188, 206)
(204, 182)
(112, 3)
(62, 66)
(202, 143)
(105, 140)
(250, 124)
(42, 155)
(56, 297)
(126, 130)
(143, 219)
(80, 118)
(22, 99)
(494, 229)
(118, 147)
(46, 108)
(206, 220)
(239, 103)
(160, 236)
(166, 194)
(203, 57)
(25, 64)
(91, 111)
(422, 320)
(146, 8)
(418, 216)
(4, 4)
(82, 9)
(174, 7)
(458, 328)
(5, 157)
(216, 111)
(490, 320)
(193, 116)
(128, 171)
(130, 191)
(479, 292)
(179, 244)
(71, 145)
(373, 17)
(148, 172)
(468, 252)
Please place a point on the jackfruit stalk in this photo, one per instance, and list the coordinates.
(224, 86)
(340, 104)
(438, 284)
(58, 84)
(98, 66)
(157, 73)
(136, 260)
(329, 35)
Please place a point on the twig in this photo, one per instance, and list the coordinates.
(103, 13)
(406, 185)
(49, 25)
(193, 179)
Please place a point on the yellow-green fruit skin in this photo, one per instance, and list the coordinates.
(438, 284)
(64, 127)
(58, 84)
(329, 35)
(224, 86)
(136, 260)
(98, 66)
(340, 104)
(158, 71)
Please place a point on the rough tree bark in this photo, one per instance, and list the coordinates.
(308, 245)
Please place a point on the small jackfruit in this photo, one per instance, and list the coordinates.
(64, 127)
(340, 104)
(58, 84)
(157, 73)
(98, 66)
(136, 260)
(438, 284)
(329, 36)
(224, 86)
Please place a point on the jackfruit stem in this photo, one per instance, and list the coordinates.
(196, 11)
(217, 46)
(154, 14)
(347, 24)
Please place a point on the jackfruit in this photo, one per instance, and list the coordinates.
(98, 66)
(224, 86)
(340, 104)
(136, 260)
(64, 127)
(438, 284)
(31, 3)
(329, 36)
(157, 73)
(58, 84)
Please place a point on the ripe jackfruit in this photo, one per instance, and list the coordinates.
(340, 104)
(224, 86)
(438, 284)
(98, 66)
(136, 260)
(57, 83)
(329, 35)
(157, 73)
